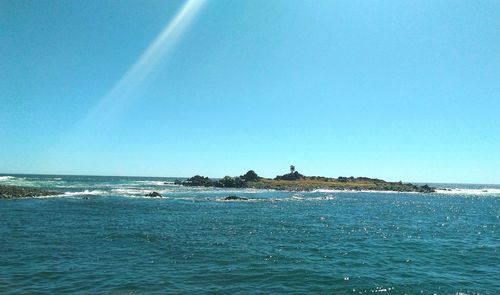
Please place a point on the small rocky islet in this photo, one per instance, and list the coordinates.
(294, 181)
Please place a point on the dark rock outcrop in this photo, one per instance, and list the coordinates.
(198, 180)
(229, 181)
(16, 192)
(154, 195)
(250, 176)
(425, 189)
(226, 181)
(235, 198)
(290, 176)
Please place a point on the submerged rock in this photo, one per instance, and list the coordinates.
(235, 198)
(154, 195)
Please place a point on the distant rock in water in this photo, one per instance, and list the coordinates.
(16, 192)
(235, 198)
(154, 195)
(198, 180)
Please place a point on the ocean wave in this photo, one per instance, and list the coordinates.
(323, 198)
(6, 177)
(198, 198)
(294, 198)
(171, 183)
(469, 191)
(151, 182)
(86, 192)
(218, 190)
(301, 198)
(129, 191)
(360, 191)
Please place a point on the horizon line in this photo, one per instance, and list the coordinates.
(149, 176)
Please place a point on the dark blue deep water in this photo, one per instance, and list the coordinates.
(116, 241)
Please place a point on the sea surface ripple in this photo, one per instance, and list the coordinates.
(102, 236)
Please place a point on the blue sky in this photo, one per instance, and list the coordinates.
(399, 90)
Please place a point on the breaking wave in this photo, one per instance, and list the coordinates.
(153, 182)
(85, 192)
(469, 191)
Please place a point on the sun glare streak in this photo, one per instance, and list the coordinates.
(103, 117)
(122, 93)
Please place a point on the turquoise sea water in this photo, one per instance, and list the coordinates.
(116, 241)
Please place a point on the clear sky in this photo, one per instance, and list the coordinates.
(399, 90)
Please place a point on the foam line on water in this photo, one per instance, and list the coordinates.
(86, 192)
(464, 191)
(359, 191)
(152, 182)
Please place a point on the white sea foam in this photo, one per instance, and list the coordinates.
(301, 198)
(468, 191)
(151, 182)
(86, 192)
(359, 191)
(326, 191)
(129, 191)
(294, 198)
(49, 196)
(323, 198)
(232, 201)
(6, 177)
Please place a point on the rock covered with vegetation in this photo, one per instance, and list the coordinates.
(290, 176)
(250, 176)
(16, 192)
(294, 181)
(308, 183)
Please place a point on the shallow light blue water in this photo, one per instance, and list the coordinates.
(118, 241)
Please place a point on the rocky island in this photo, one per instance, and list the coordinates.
(294, 181)
(16, 192)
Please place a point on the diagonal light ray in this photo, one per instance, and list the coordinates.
(123, 93)
(95, 126)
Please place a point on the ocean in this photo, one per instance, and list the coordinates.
(103, 236)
